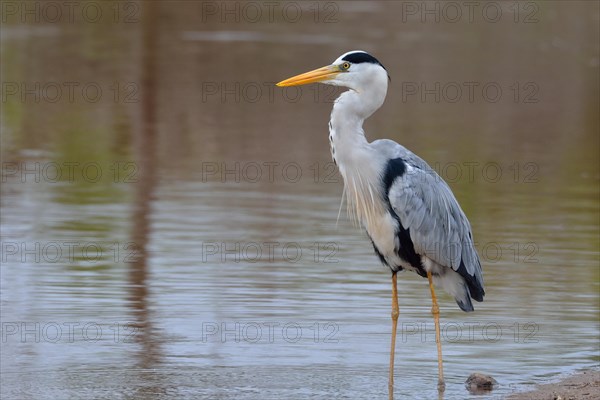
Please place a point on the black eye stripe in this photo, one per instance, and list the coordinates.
(360, 57)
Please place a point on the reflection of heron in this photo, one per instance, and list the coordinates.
(409, 212)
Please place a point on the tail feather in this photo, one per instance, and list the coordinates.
(467, 305)
(454, 284)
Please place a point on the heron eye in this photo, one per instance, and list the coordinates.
(345, 65)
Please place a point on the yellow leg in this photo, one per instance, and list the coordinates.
(435, 310)
(395, 313)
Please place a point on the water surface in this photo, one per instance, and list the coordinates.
(177, 236)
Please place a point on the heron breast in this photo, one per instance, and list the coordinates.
(382, 231)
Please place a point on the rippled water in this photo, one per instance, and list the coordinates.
(179, 236)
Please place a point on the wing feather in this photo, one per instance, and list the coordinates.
(438, 228)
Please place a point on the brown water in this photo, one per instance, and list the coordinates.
(170, 218)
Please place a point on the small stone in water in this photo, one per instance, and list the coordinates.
(478, 383)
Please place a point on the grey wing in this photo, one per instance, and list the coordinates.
(437, 225)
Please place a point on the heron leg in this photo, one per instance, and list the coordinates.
(435, 310)
(395, 313)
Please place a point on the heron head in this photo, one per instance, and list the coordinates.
(355, 69)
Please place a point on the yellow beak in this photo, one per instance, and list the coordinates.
(317, 75)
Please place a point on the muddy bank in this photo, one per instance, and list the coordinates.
(582, 386)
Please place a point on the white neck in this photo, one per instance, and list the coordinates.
(351, 151)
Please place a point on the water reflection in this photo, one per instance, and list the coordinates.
(145, 137)
(240, 282)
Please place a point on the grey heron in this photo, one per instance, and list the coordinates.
(409, 212)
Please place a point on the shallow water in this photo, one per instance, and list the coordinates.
(177, 235)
